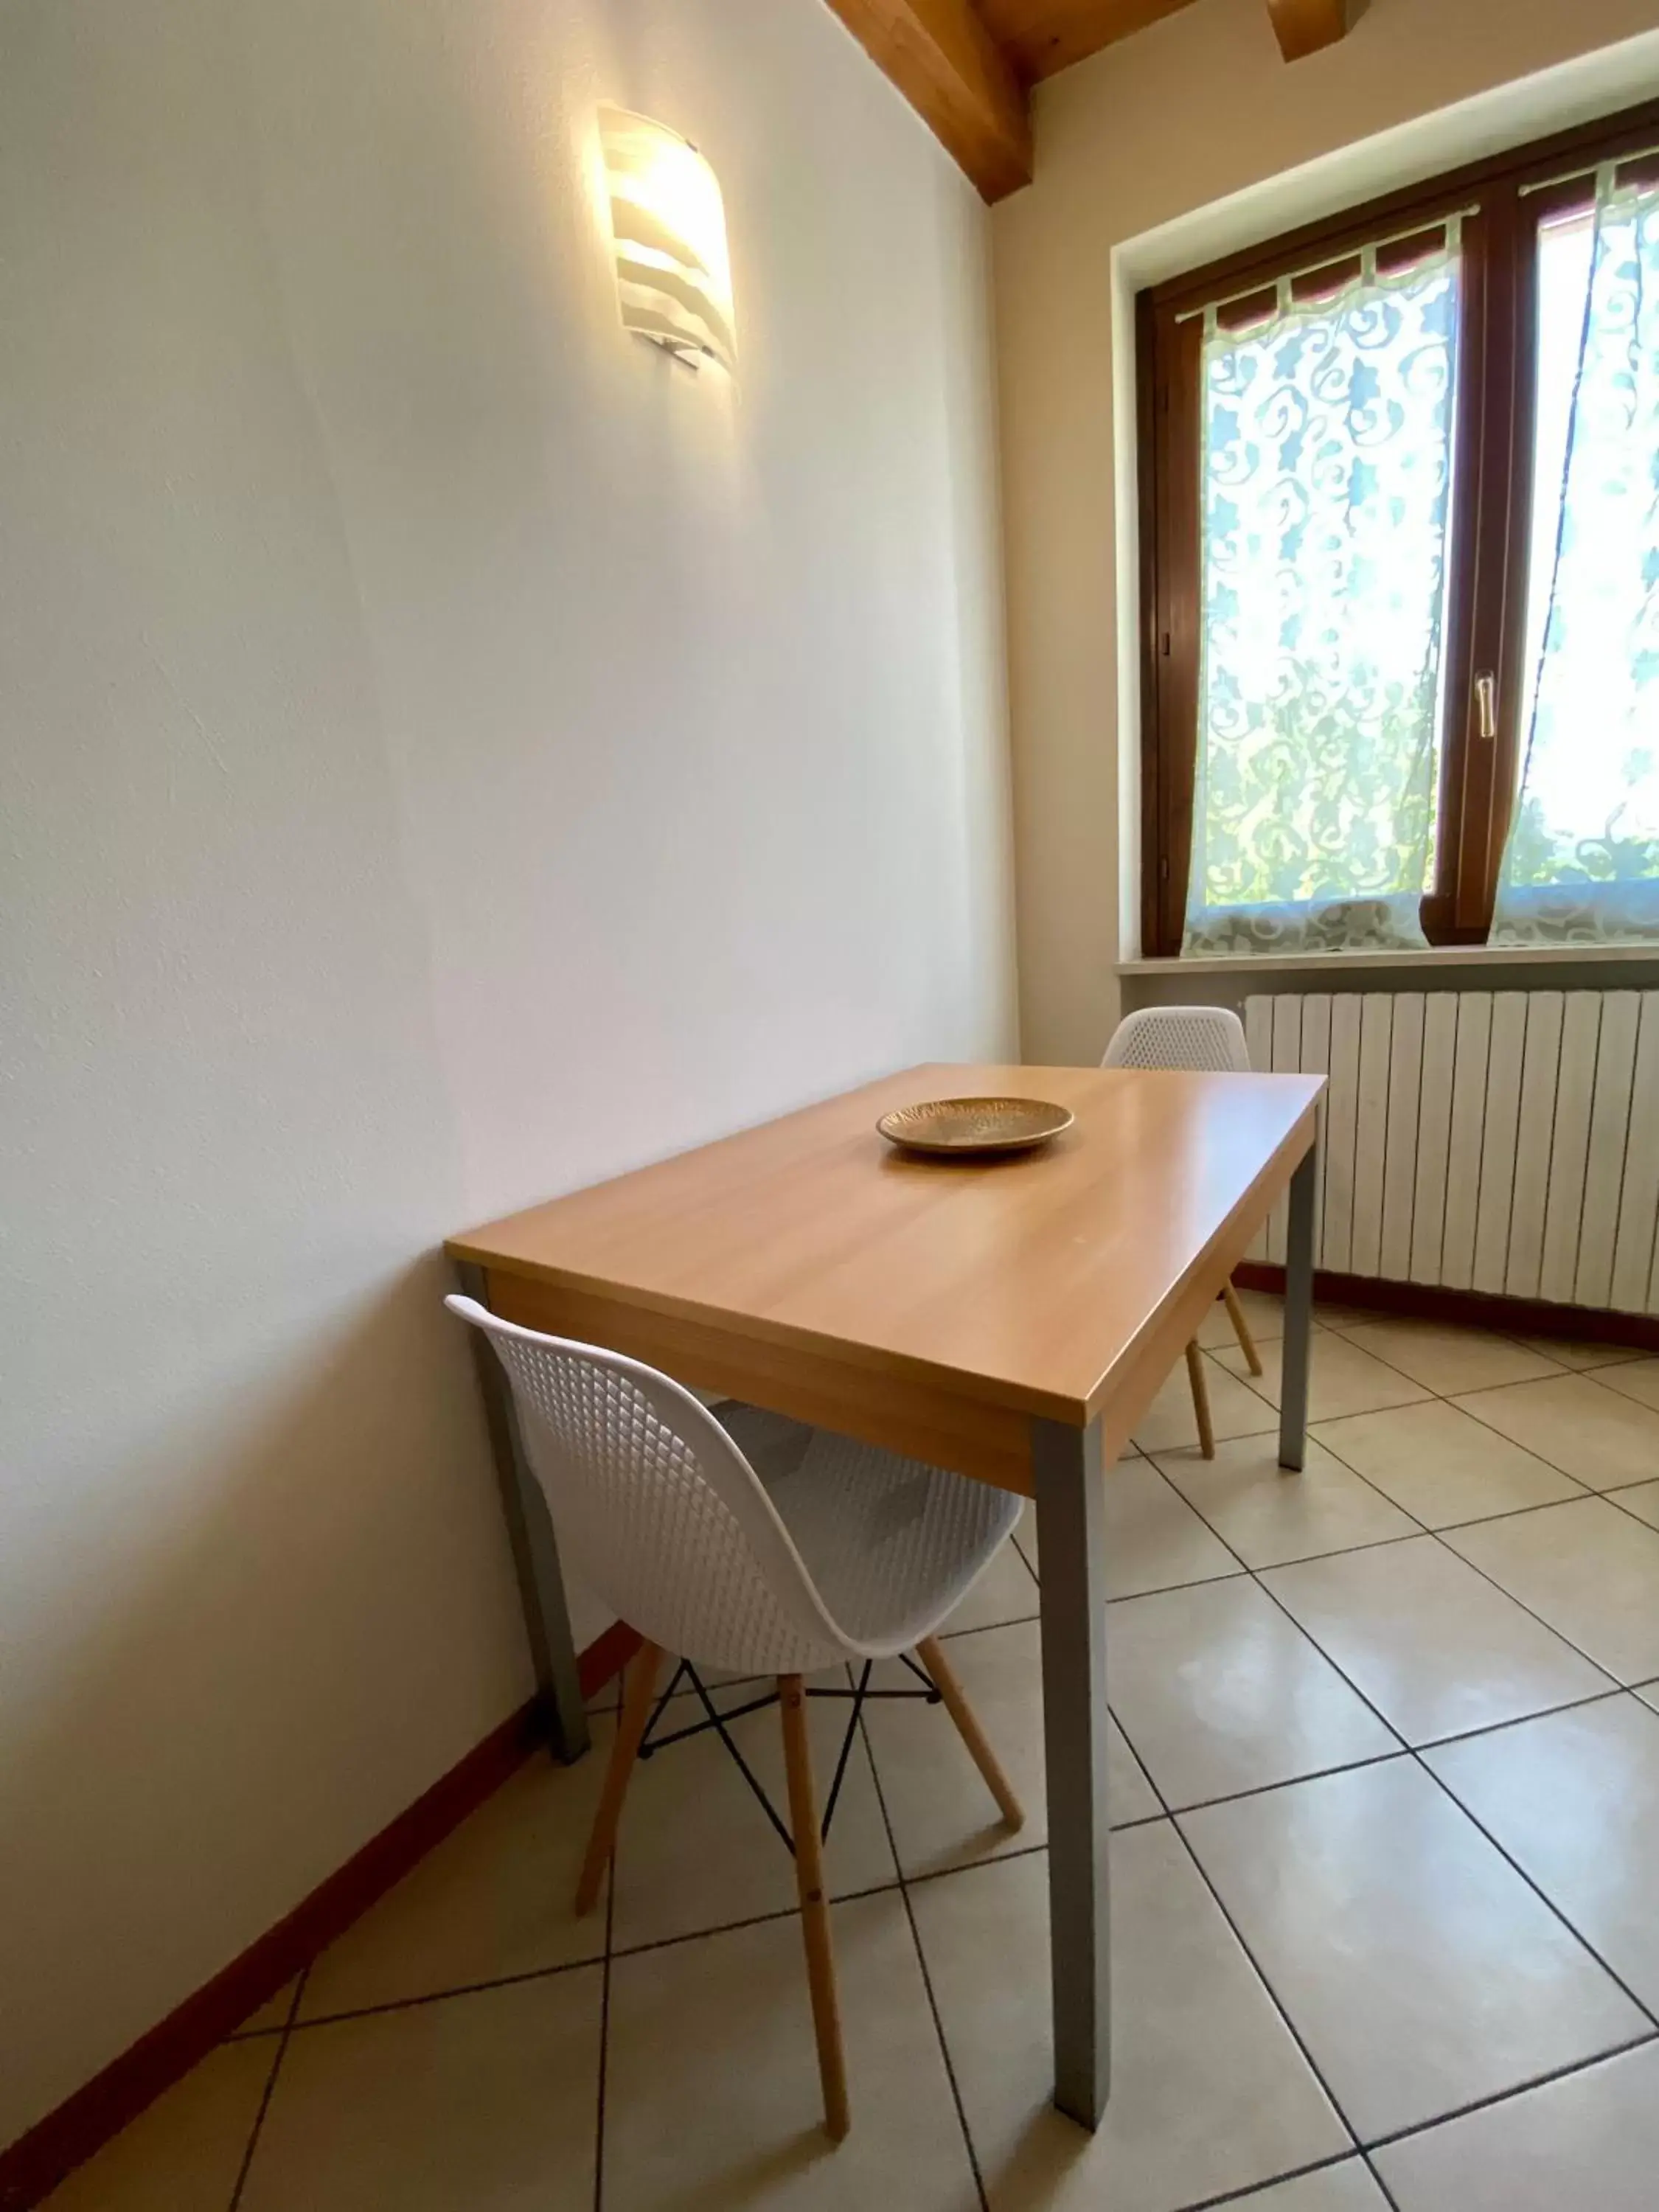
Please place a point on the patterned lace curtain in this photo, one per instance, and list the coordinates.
(1582, 862)
(1327, 468)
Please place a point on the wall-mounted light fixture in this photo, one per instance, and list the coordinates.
(673, 278)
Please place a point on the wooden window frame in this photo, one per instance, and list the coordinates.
(1514, 193)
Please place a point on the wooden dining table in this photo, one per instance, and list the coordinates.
(1010, 1318)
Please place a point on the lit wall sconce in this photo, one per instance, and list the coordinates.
(673, 278)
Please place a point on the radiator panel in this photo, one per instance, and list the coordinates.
(1609, 1131)
(1498, 1140)
(1504, 1142)
(1470, 1058)
(1430, 1190)
(1638, 1203)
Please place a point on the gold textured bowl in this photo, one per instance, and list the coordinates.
(974, 1125)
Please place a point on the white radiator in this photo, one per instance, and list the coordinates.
(1501, 1141)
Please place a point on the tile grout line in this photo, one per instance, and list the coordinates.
(926, 1978)
(1283, 2010)
(1415, 1753)
(1584, 1374)
(1403, 1748)
(1504, 1853)
(1615, 1688)
(1290, 2029)
(1439, 1536)
(429, 1997)
(1527, 2088)
(246, 2166)
(604, 2029)
(1279, 2181)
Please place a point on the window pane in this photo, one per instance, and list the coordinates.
(1583, 859)
(1327, 469)
(1564, 273)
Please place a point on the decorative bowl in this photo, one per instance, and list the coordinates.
(974, 1125)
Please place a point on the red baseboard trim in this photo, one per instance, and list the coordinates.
(1465, 1308)
(34, 2164)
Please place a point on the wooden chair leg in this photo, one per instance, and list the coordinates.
(1242, 1328)
(637, 1693)
(1200, 1400)
(969, 1729)
(814, 1905)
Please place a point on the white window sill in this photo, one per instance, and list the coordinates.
(1433, 957)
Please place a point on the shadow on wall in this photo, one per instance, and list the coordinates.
(351, 1493)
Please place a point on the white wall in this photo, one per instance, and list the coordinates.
(1180, 143)
(450, 753)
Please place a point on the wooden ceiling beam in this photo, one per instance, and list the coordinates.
(1040, 37)
(951, 71)
(1303, 26)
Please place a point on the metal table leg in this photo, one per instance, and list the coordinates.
(1070, 1503)
(1298, 1313)
(535, 1551)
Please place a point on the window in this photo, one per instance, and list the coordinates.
(1400, 530)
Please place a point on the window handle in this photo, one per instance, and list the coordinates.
(1485, 704)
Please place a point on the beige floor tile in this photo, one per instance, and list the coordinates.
(941, 1812)
(1577, 1423)
(1268, 1515)
(1589, 1569)
(1636, 1378)
(695, 1851)
(1219, 1693)
(1345, 2188)
(1154, 1539)
(1264, 1316)
(1420, 1970)
(493, 1900)
(1572, 1351)
(1006, 1591)
(490, 2101)
(1143, 1529)
(1443, 1466)
(1574, 1799)
(1209, 2091)
(1341, 1378)
(184, 2153)
(711, 2095)
(1436, 1650)
(271, 2015)
(1447, 1360)
(1236, 1410)
(1643, 1501)
(1333, 1316)
(1591, 2141)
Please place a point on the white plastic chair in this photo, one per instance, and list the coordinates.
(1206, 1040)
(852, 1553)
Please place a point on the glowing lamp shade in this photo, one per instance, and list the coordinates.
(672, 275)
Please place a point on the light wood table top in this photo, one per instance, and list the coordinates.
(807, 1265)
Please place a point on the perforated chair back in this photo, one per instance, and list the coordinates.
(1205, 1040)
(658, 1511)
